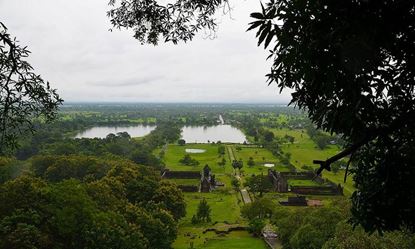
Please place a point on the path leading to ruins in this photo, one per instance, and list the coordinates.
(230, 152)
(245, 196)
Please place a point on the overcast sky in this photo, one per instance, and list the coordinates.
(73, 50)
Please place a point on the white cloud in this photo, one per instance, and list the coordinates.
(73, 49)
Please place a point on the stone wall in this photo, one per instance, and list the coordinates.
(168, 174)
(189, 188)
(280, 183)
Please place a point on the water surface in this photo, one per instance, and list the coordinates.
(195, 151)
(103, 131)
(204, 134)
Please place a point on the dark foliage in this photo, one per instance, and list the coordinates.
(177, 21)
(352, 66)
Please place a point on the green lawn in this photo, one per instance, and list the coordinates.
(304, 151)
(211, 157)
(235, 240)
(303, 183)
(225, 213)
(260, 157)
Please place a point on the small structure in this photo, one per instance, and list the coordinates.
(168, 174)
(280, 184)
(295, 201)
(206, 180)
(314, 203)
(205, 186)
(270, 237)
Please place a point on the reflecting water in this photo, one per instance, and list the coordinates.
(203, 134)
(195, 151)
(103, 131)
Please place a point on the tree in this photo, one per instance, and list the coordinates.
(351, 65)
(348, 237)
(171, 198)
(268, 136)
(255, 226)
(307, 237)
(237, 164)
(289, 138)
(356, 86)
(189, 161)
(222, 162)
(203, 211)
(235, 183)
(126, 207)
(181, 142)
(221, 150)
(258, 184)
(261, 208)
(251, 162)
(335, 167)
(24, 96)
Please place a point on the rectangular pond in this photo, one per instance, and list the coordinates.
(205, 134)
(103, 131)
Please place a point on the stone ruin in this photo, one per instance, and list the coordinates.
(207, 179)
(280, 184)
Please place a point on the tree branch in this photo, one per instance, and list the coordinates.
(325, 165)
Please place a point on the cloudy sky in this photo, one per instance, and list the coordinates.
(73, 49)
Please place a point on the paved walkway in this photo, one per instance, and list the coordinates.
(245, 196)
(230, 152)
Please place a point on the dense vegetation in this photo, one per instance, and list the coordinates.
(66, 192)
(87, 202)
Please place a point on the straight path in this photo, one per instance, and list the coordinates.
(231, 158)
(230, 152)
(245, 196)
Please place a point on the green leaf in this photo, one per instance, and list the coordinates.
(257, 15)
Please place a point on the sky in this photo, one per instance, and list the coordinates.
(74, 50)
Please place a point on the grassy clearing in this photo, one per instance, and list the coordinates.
(260, 157)
(211, 157)
(225, 206)
(303, 183)
(304, 151)
(237, 240)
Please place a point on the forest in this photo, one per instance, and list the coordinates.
(64, 191)
(152, 133)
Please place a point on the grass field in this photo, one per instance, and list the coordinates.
(303, 183)
(225, 206)
(211, 157)
(237, 240)
(304, 151)
(225, 203)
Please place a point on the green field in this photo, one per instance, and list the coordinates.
(303, 183)
(259, 155)
(211, 157)
(304, 151)
(225, 203)
(225, 206)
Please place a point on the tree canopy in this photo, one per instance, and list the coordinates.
(351, 65)
(93, 203)
(24, 95)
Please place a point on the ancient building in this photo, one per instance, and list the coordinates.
(295, 201)
(280, 184)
